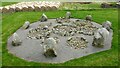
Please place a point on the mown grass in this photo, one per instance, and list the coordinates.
(8, 3)
(11, 22)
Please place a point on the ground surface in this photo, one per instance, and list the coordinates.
(11, 22)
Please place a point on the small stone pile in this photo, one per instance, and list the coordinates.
(40, 32)
(84, 27)
(64, 30)
(77, 27)
(77, 42)
(31, 6)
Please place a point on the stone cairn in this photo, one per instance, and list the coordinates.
(65, 27)
(31, 6)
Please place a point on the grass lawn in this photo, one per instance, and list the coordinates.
(11, 22)
(8, 3)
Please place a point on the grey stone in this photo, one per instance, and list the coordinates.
(98, 40)
(16, 41)
(68, 15)
(104, 32)
(31, 30)
(26, 25)
(45, 27)
(49, 48)
(100, 37)
(107, 25)
(59, 20)
(43, 18)
(88, 18)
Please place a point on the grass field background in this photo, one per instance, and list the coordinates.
(12, 21)
(78, 6)
(8, 3)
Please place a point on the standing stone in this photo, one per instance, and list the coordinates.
(49, 48)
(100, 37)
(26, 25)
(98, 40)
(107, 25)
(43, 18)
(88, 18)
(16, 41)
(104, 32)
(68, 15)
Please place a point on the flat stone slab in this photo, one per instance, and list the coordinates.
(32, 49)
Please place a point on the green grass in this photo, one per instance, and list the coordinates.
(11, 22)
(78, 6)
(8, 3)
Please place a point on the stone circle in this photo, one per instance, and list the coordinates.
(73, 37)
